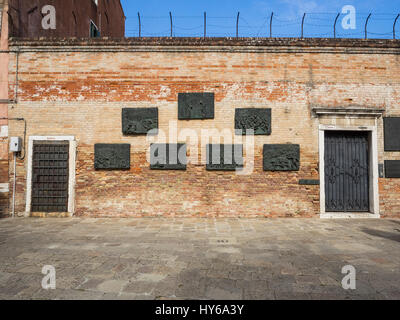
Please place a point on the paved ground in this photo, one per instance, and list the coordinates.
(199, 258)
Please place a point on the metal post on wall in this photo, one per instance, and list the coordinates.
(237, 25)
(270, 25)
(14, 184)
(366, 25)
(302, 26)
(170, 18)
(394, 26)
(205, 24)
(334, 26)
(140, 26)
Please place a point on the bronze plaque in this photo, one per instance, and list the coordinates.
(224, 157)
(168, 156)
(112, 156)
(258, 120)
(281, 157)
(137, 121)
(392, 133)
(195, 106)
(392, 168)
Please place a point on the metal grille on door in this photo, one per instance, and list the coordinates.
(50, 176)
(346, 171)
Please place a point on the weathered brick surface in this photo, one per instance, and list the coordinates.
(3, 106)
(72, 17)
(82, 92)
(3, 179)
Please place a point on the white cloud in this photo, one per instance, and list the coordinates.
(291, 9)
(302, 6)
(296, 8)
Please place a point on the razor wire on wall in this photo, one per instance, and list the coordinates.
(309, 25)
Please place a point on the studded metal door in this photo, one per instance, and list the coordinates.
(346, 171)
(50, 176)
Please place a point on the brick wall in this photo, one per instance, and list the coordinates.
(79, 88)
(72, 18)
(3, 109)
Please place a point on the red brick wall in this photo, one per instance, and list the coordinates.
(72, 16)
(82, 94)
(111, 19)
(3, 195)
(3, 106)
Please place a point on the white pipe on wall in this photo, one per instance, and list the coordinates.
(14, 184)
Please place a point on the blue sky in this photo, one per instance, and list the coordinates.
(188, 18)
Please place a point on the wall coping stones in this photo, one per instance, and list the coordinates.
(165, 44)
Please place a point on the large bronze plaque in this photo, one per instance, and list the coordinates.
(112, 156)
(281, 157)
(258, 120)
(392, 168)
(137, 121)
(224, 157)
(392, 133)
(195, 106)
(168, 156)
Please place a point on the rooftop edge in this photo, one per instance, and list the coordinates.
(206, 42)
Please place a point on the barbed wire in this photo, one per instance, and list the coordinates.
(321, 24)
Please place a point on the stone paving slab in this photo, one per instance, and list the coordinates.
(157, 258)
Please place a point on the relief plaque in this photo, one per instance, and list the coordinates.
(137, 121)
(112, 156)
(195, 106)
(224, 157)
(258, 120)
(392, 133)
(281, 157)
(168, 156)
(392, 168)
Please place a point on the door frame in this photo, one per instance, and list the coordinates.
(373, 172)
(71, 173)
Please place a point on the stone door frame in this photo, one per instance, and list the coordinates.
(373, 172)
(350, 119)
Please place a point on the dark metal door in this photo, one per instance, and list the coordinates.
(346, 171)
(50, 176)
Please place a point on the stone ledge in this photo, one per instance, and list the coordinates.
(205, 44)
(48, 214)
(349, 215)
(226, 41)
(356, 111)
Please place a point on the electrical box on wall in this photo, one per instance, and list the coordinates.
(15, 144)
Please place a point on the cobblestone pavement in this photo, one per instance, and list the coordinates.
(199, 258)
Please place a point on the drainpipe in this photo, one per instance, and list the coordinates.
(14, 183)
(16, 75)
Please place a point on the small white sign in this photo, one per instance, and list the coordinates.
(4, 187)
(3, 131)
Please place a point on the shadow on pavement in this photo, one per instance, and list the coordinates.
(395, 236)
(395, 221)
